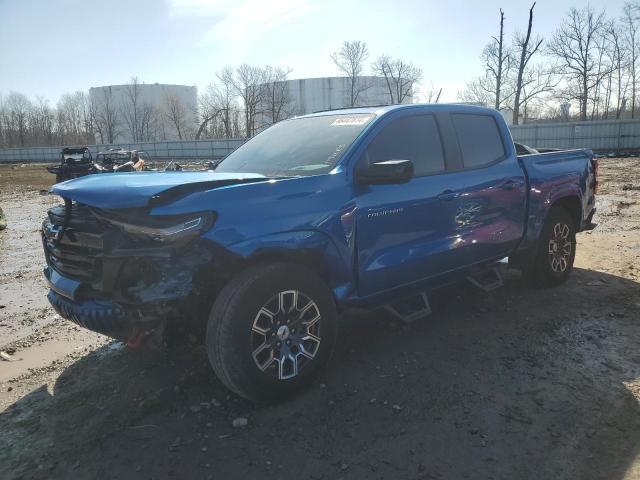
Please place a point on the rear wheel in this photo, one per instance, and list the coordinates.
(270, 331)
(555, 251)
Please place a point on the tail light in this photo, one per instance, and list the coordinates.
(595, 163)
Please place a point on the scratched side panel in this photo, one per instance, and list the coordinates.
(553, 176)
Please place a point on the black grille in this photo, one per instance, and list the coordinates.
(75, 251)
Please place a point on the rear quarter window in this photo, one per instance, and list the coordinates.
(479, 139)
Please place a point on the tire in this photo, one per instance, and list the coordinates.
(555, 251)
(252, 326)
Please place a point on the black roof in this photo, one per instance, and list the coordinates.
(69, 150)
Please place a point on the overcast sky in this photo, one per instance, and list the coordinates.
(50, 47)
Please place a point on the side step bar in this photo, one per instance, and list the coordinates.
(417, 307)
(410, 309)
(487, 280)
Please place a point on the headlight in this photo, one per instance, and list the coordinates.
(167, 229)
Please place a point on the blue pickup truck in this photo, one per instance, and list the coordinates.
(323, 213)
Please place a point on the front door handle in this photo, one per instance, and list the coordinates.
(447, 195)
(509, 185)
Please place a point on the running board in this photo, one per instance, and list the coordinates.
(410, 309)
(487, 280)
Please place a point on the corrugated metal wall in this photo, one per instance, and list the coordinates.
(605, 135)
(174, 150)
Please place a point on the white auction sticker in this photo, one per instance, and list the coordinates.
(347, 120)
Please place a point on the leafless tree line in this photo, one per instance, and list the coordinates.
(80, 118)
(28, 123)
(590, 63)
(401, 77)
(244, 100)
(110, 117)
(240, 102)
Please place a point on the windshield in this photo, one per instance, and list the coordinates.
(301, 146)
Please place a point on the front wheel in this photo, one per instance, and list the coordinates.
(270, 331)
(555, 251)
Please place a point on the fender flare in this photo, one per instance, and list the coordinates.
(313, 248)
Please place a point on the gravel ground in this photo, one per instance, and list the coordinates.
(516, 383)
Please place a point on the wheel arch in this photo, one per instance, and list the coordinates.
(568, 200)
(572, 205)
(312, 249)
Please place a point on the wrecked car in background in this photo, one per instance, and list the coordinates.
(74, 162)
(78, 162)
(120, 160)
(356, 208)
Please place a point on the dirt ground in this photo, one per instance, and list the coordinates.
(513, 384)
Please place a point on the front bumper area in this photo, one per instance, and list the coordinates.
(122, 285)
(96, 315)
(125, 323)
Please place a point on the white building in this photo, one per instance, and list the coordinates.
(161, 112)
(308, 95)
(316, 94)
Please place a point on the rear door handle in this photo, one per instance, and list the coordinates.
(447, 195)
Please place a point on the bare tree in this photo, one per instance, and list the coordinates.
(209, 111)
(535, 82)
(277, 103)
(497, 62)
(603, 72)
(400, 76)
(41, 121)
(631, 23)
(576, 48)
(433, 94)
(71, 121)
(227, 101)
(107, 117)
(218, 105)
(349, 60)
(18, 106)
(248, 84)
(96, 126)
(478, 91)
(526, 53)
(620, 61)
(138, 115)
(177, 115)
(148, 123)
(131, 108)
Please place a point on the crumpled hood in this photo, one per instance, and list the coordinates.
(140, 189)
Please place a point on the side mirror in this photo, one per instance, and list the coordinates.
(387, 172)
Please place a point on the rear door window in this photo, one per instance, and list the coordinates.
(479, 139)
(414, 138)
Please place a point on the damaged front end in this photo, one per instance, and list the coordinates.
(123, 272)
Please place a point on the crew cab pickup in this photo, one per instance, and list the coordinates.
(316, 215)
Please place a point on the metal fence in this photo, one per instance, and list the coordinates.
(601, 135)
(165, 151)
